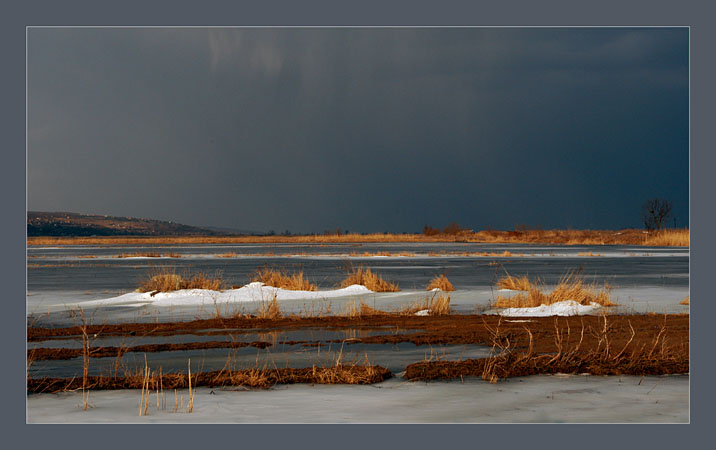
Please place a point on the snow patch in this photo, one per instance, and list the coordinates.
(252, 292)
(423, 312)
(565, 308)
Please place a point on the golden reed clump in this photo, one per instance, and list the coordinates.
(281, 279)
(570, 287)
(366, 278)
(167, 281)
(440, 282)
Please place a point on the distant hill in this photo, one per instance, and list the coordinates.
(73, 224)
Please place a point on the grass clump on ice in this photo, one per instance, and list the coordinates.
(570, 287)
(685, 301)
(281, 279)
(440, 282)
(368, 279)
(515, 283)
(437, 305)
(168, 281)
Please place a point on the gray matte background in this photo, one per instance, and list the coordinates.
(14, 18)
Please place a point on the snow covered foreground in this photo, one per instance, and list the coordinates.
(252, 292)
(566, 308)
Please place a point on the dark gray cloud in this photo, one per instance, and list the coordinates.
(364, 129)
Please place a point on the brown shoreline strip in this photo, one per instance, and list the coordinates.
(43, 353)
(540, 365)
(255, 378)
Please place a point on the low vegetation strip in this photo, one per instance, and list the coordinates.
(43, 353)
(668, 237)
(254, 378)
(521, 365)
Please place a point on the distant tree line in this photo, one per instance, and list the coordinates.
(452, 229)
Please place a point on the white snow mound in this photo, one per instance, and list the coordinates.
(252, 292)
(565, 308)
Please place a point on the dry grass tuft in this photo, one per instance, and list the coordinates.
(685, 301)
(355, 311)
(280, 279)
(168, 281)
(570, 287)
(368, 279)
(144, 255)
(269, 310)
(514, 283)
(437, 305)
(676, 237)
(440, 282)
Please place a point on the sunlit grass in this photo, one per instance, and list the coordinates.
(570, 287)
(168, 281)
(281, 279)
(440, 282)
(370, 280)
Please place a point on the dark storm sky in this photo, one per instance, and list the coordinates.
(362, 129)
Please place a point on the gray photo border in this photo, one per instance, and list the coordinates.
(17, 15)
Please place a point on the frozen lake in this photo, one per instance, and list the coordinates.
(644, 279)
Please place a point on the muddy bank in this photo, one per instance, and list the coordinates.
(448, 329)
(255, 378)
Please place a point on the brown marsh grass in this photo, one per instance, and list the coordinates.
(570, 287)
(657, 357)
(370, 280)
(167, 281)
(260, 377)
(355, 310)
(440, 282)
(514, 283)
(281, 279)
(435, 305)
(567, 237)
(144, 255)
(677, 237)
(269, 309)
(685, 301)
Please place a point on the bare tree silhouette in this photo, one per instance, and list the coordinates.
(655, 212)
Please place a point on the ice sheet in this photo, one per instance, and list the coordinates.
(544, 398)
